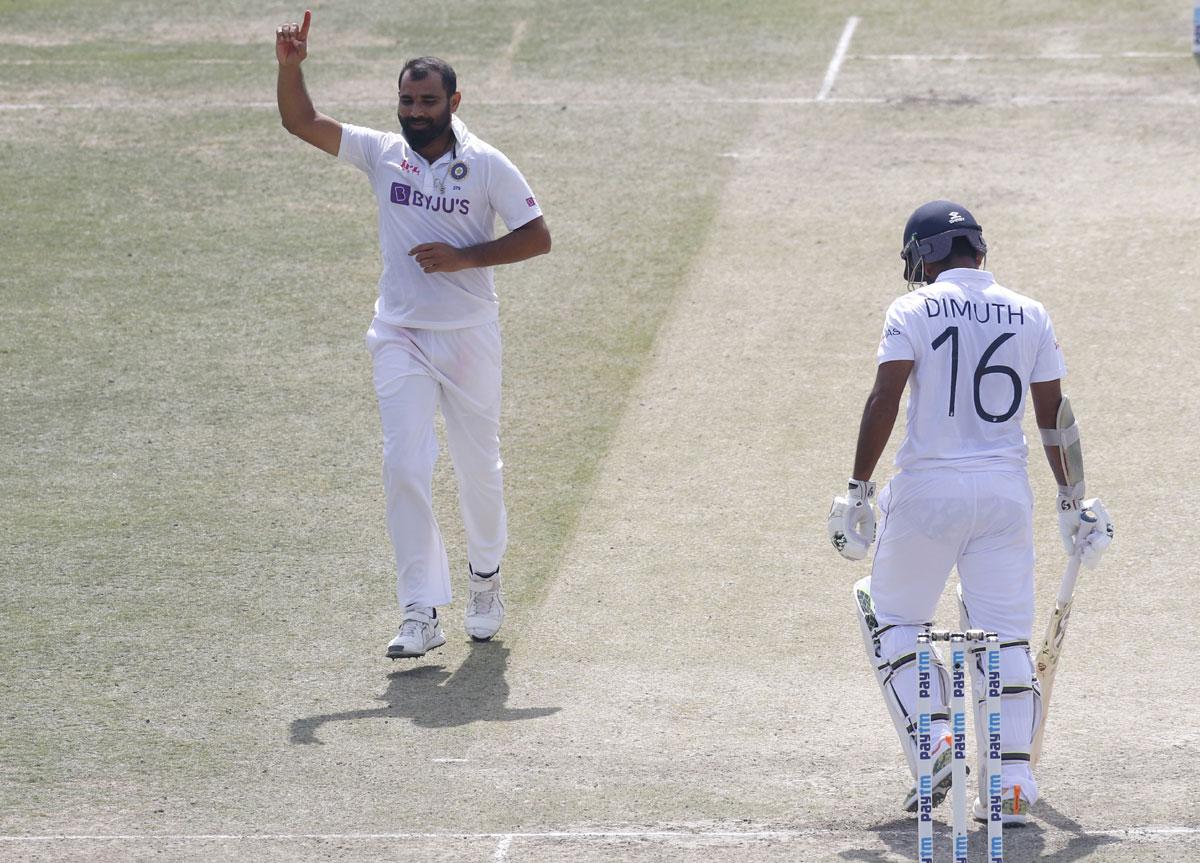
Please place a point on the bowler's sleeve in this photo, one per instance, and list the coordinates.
(510, 195)
(361, 147)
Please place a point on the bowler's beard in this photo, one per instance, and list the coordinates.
(423, 136)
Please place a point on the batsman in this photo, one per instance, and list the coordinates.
(971, 350)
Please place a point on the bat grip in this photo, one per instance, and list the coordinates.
(1066, 587)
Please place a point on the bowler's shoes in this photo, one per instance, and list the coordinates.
(1014, 809)
(485, 608)
(420, 632)
(943, 775)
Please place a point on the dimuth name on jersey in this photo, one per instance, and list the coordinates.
(951, 307)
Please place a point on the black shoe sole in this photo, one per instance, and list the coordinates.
(939, 797)
(939, 794)
(391, 655)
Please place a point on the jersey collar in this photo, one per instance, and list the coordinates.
(965, 274)
(460, 134)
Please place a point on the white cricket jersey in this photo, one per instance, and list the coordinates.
(455, 201)
(976, 348)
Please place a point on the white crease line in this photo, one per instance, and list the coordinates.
(196, 61)
(1146, 833)
(518, 36)
(502, 849)
(174, 61)
(962, 58)
(559, 104)
(332, 61)
(839, 56)
(527, 103)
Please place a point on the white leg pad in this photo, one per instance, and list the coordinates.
(891, 650)
(1020, 705)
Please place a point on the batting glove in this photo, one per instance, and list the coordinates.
(1092, 533)
(1097, 535)
(851, 522)
(1068, 506)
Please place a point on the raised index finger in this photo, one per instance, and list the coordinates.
(304, 27)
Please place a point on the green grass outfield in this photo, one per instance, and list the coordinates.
(195, 581)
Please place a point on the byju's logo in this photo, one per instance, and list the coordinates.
(404, 195)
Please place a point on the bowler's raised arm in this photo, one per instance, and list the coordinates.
(295, 107)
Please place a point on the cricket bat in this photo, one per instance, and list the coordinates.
(1046, 662)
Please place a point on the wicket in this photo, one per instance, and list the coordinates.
(989, 740)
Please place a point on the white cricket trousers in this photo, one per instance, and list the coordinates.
(934, 520)
(981, 522)
(416, 371)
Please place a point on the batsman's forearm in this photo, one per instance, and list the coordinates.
(1047, 396)
(295, 107)
(1054, 457)
(879, 417)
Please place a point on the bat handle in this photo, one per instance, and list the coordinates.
(1066, 587)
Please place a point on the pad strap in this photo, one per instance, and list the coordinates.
(1060, 437)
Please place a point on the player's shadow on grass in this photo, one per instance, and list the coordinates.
(1021, 844)
(435, 698)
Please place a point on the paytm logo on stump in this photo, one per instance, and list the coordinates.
(404, 195)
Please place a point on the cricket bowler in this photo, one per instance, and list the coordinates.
(435, 336)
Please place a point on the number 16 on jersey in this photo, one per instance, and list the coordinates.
(982, 370)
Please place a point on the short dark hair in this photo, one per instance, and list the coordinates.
(422, 67)
(963, 248)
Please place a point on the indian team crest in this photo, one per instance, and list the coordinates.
(459, 171)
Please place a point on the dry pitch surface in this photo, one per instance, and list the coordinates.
(196, 587)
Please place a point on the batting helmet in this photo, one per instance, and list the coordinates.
(930, 232)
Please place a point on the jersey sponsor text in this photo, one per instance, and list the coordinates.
(406, 196)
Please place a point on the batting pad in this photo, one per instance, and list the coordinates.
(891, 650)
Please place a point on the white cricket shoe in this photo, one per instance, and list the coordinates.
(1014, 809)
(485, 608)
(943, 774)
(420, 632)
